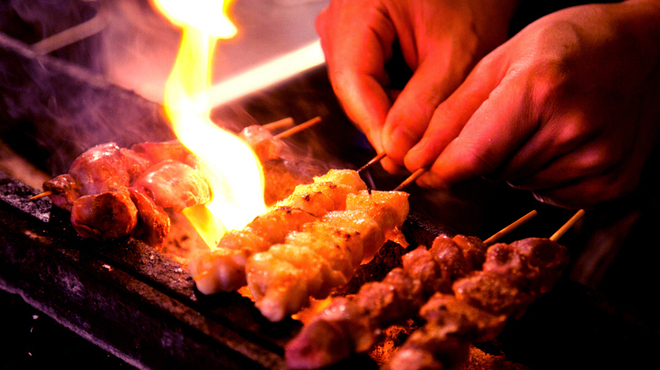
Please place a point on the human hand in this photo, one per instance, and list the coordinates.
(569, 108)
(440, 41)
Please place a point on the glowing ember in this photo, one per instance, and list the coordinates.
(232, 168)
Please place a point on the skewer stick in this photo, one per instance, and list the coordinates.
(375, 159)
(510, 228)
(41, 195)
(415, 175)
(74, 34)
(300, 127)
(562, 230)
(278, 124)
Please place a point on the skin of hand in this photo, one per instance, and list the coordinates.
(569, 108)
(440, 41)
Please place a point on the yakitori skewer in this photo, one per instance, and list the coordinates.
(562, 230)
(284, 122)
(495, 237)
(482, 302)
(375, 159)
(41, 195)
(415, 175)
(300, 127)
(74, 34)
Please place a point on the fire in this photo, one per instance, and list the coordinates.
(233, 170)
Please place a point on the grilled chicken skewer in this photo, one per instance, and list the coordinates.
(223, 268)
(512, 277)
(324, 254)
(112, 191)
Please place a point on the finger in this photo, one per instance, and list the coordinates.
(450, 117)
(588, 192)
(409, 117)
(558, 135)
(490, 137)
(592, 159)
(355, 60)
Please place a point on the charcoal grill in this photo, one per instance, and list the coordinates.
(140, 305)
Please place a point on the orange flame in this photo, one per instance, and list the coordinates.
(233, 170)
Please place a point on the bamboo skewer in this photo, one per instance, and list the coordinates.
(74, 34)
(375, 159)
(41, 195)
(562, 230)
(415, 175)
(300, 127)
(284, 122)
(510, 227)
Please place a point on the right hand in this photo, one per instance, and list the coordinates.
(440, 41)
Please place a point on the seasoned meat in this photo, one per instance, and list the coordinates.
(262, 142)
(153, 223)
(474, 324)
(104, 216)
(174, 185)
(64, 191)
(106, 167)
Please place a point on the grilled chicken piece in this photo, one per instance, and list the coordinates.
(108, 215)
(474, 324)
(431, 347)
(106, 167)
(355, 222)
(223, 269)
(532, 263)
(64, 191)
(153, 223)
(263, 142)
(175, 185)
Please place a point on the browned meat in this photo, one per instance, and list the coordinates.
(482, 302)
(431, 347)
(174, 185)
(106, 167)
(335, 333)
(64, 191)
(532, 263)
(492, 292)
(153, 222)
(473, 324)
(104, 216)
